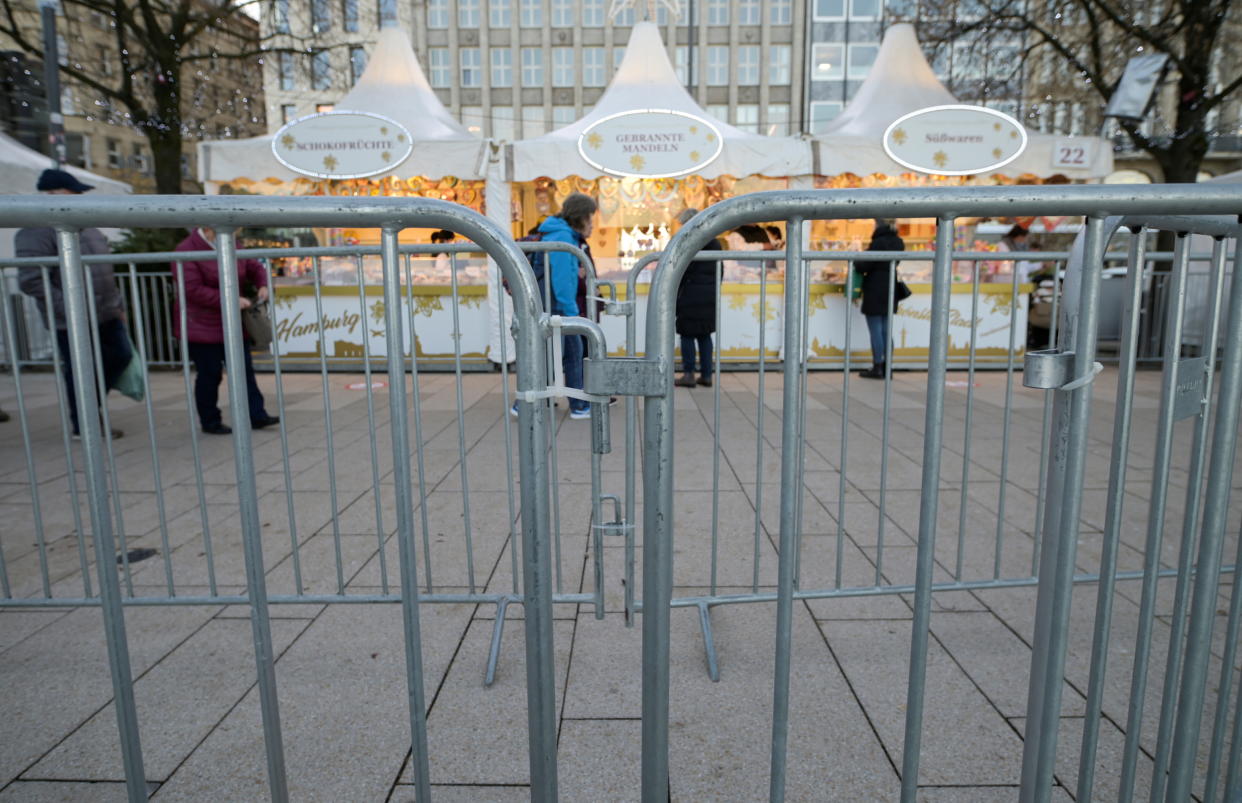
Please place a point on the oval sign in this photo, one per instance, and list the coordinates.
(342, 144)
(650, 143)
(955, 140)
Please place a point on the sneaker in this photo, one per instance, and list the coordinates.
(3, 416)
(612, 400)
(513, 411)
(705, 380)
(686, 380)
(580, 413)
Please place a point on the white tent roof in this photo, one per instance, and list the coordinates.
(901, 81)
(21, 167)
(393, 85)
(646, 80)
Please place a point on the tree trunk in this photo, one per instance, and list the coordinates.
(166, 156)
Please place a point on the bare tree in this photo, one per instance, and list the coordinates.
(167, 53)
(1088, 43)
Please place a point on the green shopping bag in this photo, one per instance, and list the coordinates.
(130, 381)
(855, 289)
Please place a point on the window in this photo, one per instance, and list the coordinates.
(720, 111)
(864, 9)
(114, 154)
(749, 12)
(618, 56)
(320, 108)
(822, 113)
(779, 12)
(861, 59)
(471, 67)
(437, 13)
(284, 63)
(748, 65)
(562, 66)
(357, 63)
(504, 125)
(500, 13)
(562, 16)
(441, 71)
(532, 66)
(534, 124)
(282, 18)
(468, 15)
(592, 13)
(387, 13)
(681, 63)
(349, 15)
(827, 62)
(778, 120)
(321, 16)
(105, 60)
(829, 9)
(472, 119)
(624, 18)
(778, 64)
(502, 67)
(717, 12)
(661, 17)
(688, 13)
(718, 65)
(532, 13)
(288, 113)
(321, 69)
(78, 149)
(563, 116)
(593, 66)
(748, 117)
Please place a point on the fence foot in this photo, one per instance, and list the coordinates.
(498, 630)
(709, 644)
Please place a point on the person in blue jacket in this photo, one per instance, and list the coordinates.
(573, 225)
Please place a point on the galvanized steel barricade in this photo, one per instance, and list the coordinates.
(537, 447)
(1067, 373)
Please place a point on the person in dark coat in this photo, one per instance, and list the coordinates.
(696, 313)
(41, 241)
(877, 277)
(204, 331)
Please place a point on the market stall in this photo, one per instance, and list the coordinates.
(392, 108)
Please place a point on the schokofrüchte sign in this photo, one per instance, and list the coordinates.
(342, 144)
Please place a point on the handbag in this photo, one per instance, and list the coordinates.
(130, 383)
(257, 325)
(902, 291)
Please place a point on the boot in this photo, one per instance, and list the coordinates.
(686, 380)
(705, 380)
(876, 372)
(3, 416)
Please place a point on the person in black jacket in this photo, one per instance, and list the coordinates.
(877, 276)
(696, 313)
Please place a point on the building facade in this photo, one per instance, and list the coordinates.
(221, 97)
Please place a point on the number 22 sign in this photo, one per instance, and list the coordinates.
(1078, 152)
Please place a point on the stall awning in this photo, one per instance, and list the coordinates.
(393, 85)
(22, 167)
(901, 81)
(646, 80)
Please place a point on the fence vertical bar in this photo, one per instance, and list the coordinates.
(1211, 542)
(970, 413)
(760, 415)
(416, 397)
(62, 403)
(194, 450)
(140, 328)
(845, 426)
(1057, 564)
(248, 502)
(1005, 427)
(631, 448)
(295, 547)
(1155, 518)
(75, 289)
(804, 357)
(375, 474)
(1226, 688)
(399, 428)
(10, 346)
(1190, 518)
(1057, 287)
(792, 402)
(933, 438)
(1112, 519)
(885, 426)
(461, 423)
(715, 436)
(327, 426)
(507, 426)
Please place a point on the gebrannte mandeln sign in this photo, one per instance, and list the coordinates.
(955, 140)
(342, 144)
(650, 143)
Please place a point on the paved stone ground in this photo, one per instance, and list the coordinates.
(341, 669)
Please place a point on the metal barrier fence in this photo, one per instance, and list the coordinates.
(232, 567)
(1066, 372)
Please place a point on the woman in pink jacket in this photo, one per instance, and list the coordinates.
(204, 331)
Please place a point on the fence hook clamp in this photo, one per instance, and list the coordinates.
(1050, 369)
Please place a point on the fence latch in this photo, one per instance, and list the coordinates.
(625, 376)
(1051, 369)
